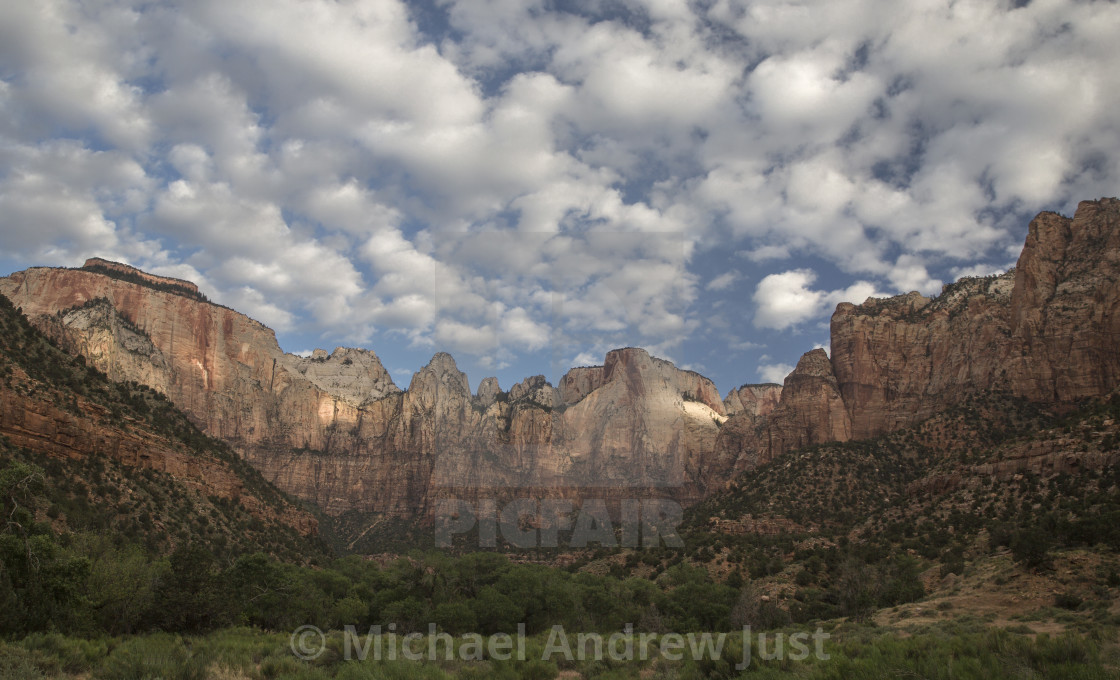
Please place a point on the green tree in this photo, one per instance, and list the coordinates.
(455, 618)
(41, 583)
(190, 597)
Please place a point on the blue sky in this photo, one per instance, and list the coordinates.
(528, 184)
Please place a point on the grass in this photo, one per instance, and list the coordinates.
(960, 649)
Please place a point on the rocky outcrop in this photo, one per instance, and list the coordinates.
(759, 400)
(536, 390)
(811, 410)
(355, 375)
(1065, 306)
(580, 382)
(488, 392)
(98, 332)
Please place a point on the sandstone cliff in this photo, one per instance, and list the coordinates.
(335, 430)
(1048, 331)
(55, 407)
(760, 400)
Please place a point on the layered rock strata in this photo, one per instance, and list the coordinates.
(334, 429)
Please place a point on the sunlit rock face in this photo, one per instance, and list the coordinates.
(335, 430)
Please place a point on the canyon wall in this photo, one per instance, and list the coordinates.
(334, 429)
(1047, 331)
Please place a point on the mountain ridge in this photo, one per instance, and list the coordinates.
(344, 436)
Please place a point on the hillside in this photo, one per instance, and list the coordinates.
(119, 459)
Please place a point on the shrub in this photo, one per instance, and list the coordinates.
(1067, 601)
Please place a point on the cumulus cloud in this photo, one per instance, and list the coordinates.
(534, 176)
(774, 373)
(786, 299)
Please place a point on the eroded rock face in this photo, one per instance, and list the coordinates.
(811, 410)
(580, 382)
(759, 400)
(355, 375)
(1048, 331)
(488, 391)
(335, 430)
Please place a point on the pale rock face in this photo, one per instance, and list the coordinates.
(111, 344)
(536, 390)
(759, 400)
(355, 375)
(488, 391)
(580, 382)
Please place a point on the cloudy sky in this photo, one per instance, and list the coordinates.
(529, 183)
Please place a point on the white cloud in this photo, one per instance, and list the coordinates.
(774, 373)
(785, 300)
(723, 281)
(980, 270)
(586, 359)
(908, 273)
(547, 175)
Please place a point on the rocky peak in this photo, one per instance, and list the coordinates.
(440, 372)
(626, 360)
(812, 364)
(535, 389)
(811, 410)
(580, 382)
(756, 399)
(488, 391)
(644, 374)
(355, 375)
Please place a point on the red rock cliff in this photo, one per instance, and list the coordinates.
(335, 430)
(1048, 331)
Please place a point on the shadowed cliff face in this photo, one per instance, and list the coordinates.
(1049, 331)
(335, 430)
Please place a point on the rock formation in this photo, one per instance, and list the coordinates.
(760, 400)
(62, 411)
(1047, 331)
(335, 430)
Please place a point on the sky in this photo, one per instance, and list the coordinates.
(527, 184)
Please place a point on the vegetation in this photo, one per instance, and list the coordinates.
(164, 285)
(110, 570)
(950, 650)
